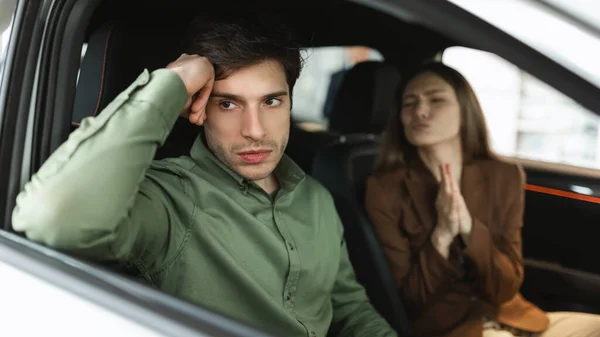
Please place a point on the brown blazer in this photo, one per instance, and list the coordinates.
(451, 297)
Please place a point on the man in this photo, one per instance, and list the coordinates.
(236, 227)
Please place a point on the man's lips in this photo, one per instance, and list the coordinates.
(254, 156)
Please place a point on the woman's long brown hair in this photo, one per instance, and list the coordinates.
(396, 150)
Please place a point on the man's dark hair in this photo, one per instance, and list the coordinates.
(233, 40)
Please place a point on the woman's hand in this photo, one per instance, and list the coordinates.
(452, 212)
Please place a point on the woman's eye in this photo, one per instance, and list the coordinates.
(437, 100)
(408, 104)
(273, 102)
(227, 105)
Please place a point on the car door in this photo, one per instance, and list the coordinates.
(45, 292)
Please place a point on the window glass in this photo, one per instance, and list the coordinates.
(7, 9)
(526, 117)
(550, 32)
(323, 69)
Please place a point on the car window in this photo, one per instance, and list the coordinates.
(580, 9)
(7, 9)
(312, 94)
(562, 40)
(527, 118)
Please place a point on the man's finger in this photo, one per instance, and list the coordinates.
(205, 92)
(200, 103)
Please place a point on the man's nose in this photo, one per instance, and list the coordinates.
(252, 125)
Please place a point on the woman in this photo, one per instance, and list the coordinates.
(448, 213)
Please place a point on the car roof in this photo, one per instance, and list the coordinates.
(316, 23)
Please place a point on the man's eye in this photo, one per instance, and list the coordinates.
(408, 104)
(437, 100)
(273, 102)
(227, 105)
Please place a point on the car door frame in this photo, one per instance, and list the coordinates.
(29, 74)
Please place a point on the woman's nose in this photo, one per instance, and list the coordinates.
(421, 110)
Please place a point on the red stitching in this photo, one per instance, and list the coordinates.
(103, 70)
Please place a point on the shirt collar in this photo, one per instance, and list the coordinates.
(288, 173)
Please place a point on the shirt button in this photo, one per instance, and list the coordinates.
(313, 334)
(288, 296)
(291, 246)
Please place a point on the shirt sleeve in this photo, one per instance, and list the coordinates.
(353, 314)
(92, 197)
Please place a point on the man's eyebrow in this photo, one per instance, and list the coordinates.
(225, 95)
(276, 94)
(233, 97)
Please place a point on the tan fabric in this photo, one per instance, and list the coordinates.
(572, 324)
(562, 324)
(449, 297)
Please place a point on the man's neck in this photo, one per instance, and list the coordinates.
(269, 184)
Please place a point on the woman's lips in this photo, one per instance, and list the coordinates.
(420, 126)
(254, 157)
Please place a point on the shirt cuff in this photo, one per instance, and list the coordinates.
(165, 90)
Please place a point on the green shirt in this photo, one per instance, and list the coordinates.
(191, 226)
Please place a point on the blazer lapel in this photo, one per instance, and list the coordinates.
(419, 184)
(475, 191)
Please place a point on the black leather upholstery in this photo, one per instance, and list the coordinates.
(364, 99)
(343, 169)
(116, 54)
(303, 145)
(363, 105)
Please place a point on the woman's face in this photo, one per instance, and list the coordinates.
(430, 112)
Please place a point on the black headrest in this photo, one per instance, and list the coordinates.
(116, 54)
(365, 98)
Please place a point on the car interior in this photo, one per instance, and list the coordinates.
(560, 236)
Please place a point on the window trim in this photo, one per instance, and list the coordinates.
(19, 74)
(547, 166)
(136, 301)
(38, 76)
(451, 20)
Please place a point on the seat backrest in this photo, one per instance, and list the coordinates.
(363, 104)
(343, 169)
(117, 52)
(359, 108)
(364, 98)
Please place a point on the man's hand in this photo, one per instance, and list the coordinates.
(198, 76)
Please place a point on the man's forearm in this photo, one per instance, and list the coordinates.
(86, 187)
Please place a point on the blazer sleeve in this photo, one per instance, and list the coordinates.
(418, 274)
(496, 261)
